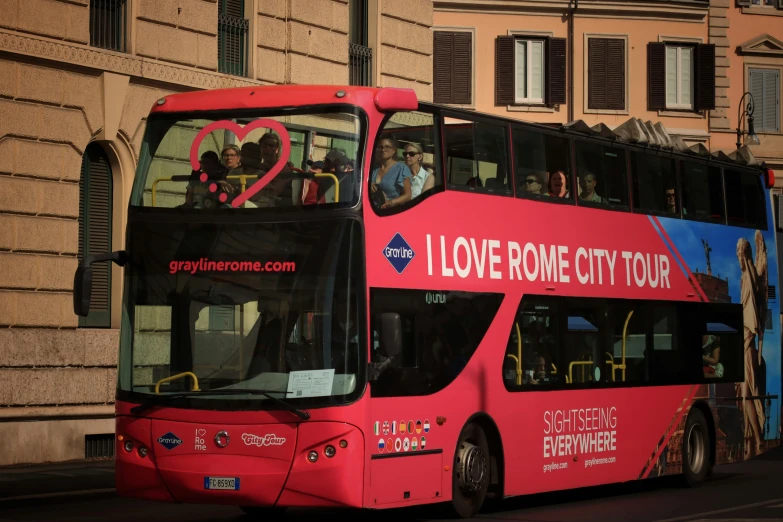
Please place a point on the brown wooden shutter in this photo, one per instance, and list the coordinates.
(462, 68)
(705, 77)
(505, 70)
(656, 76)
(452, 67)
(615, 77)
(596, 73)
(95, 213)
(556, 69)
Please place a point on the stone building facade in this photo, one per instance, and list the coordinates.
(77, 79)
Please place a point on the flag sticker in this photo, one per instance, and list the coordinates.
(385, 427)
(418, 426)
(389, 445)
(414, 444)
(376, 428)
(426, 426)
(397, 444)
(394, 428)
(381, 445)
(402, 427)
(406, 444)
(410, 426)
(423, 442)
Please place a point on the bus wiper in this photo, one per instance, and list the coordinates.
(162, 399)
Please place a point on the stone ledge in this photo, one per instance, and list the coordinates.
(103, 60)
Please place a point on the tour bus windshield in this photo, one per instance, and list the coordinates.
(244, 307)
(241, 159)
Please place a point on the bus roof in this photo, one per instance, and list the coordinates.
(272, 96)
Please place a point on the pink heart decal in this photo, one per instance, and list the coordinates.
(240, 133)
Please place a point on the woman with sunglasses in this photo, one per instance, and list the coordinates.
(390, 182)
(421, 180)
(532, 183)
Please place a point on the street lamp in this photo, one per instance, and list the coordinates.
(752, 139)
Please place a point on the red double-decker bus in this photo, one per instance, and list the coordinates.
(339, 296)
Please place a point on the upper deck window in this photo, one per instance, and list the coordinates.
(602, 179)
(477, 156)
(702, 192)
(541, 163)
(654, 181)
(745, 204)
(405, 160)
(226, 161)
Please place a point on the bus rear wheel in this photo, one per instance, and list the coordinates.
(696, 449)
(470, 473)
(264, 512)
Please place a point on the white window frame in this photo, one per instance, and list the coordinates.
(679, 104)
(528, 66)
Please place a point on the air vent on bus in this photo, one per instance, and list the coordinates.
(99, 446)
(771, 294)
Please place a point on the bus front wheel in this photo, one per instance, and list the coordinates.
(696, 449)
(470, 473)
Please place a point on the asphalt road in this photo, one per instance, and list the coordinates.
(747, 492)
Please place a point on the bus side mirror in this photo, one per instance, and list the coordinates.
(391, 334)
(82, 280)
(82, 290)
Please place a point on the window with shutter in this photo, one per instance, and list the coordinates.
(232, 37)
(606, 74)
(95, 221)
(530, 70)
(765, 89)
(452, 64)
(704, 72)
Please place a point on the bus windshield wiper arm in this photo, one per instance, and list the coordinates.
(161, 399)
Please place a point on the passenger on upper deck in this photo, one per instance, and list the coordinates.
(587, 183)
(532, 184)
(230, 157)
(277, 192)
(421, 180)
(198, 194)
(558, 185)
(390, 182)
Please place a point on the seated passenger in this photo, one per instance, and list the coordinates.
(278, 192)
(230, 157)
(533, 184)
(587, 183)
(249, 164)
(558, 185)
(390, 182)
(421, 180)
(711, 356)
(198, 194)
(671, 201)
(538, 374)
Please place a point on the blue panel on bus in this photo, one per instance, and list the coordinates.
(399, 253)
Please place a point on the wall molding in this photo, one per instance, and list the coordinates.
(121, 63)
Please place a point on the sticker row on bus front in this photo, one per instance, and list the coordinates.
(401, 443)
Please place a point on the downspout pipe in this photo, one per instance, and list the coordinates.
(573, 5)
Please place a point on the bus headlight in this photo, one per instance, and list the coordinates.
(329, 451)
(142, 452)
(312, 456)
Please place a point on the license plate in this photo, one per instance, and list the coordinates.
(221, 483)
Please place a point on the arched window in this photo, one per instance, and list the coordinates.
(95, 211)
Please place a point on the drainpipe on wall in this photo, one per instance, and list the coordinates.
(573, 5)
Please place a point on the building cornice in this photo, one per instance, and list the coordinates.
(120, 63)
(695, 10)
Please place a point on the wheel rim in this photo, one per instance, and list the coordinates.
(696, 449)
(471, 469)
